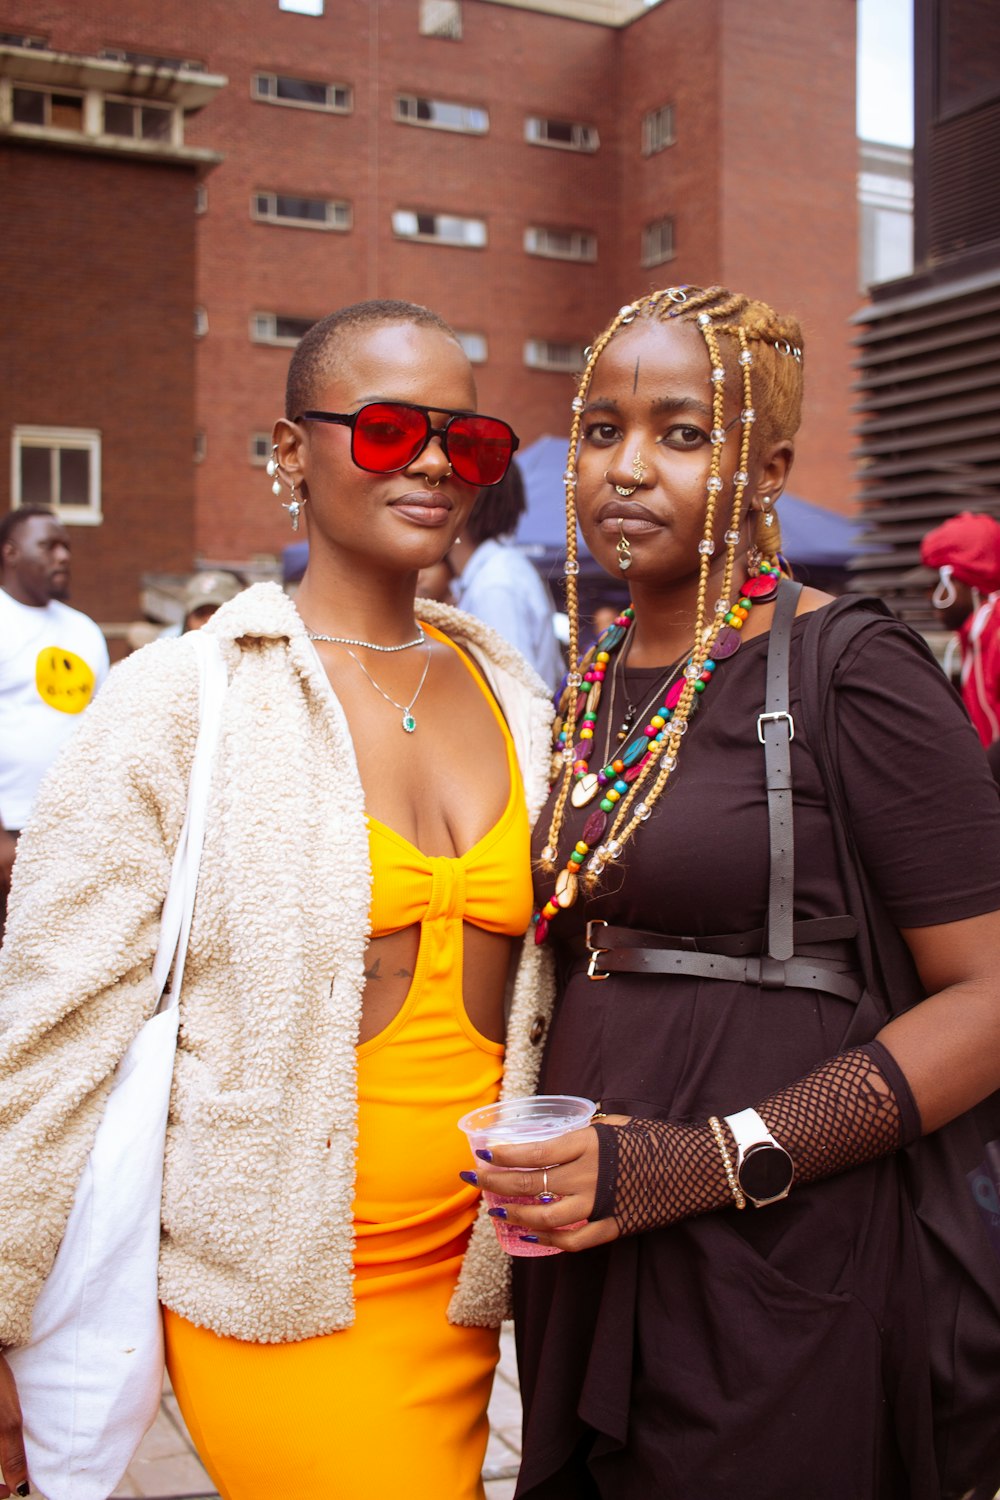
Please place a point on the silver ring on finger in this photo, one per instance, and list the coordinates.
(545, 1196)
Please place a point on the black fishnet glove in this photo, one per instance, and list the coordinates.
(654, 1172)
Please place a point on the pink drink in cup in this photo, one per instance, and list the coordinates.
(540, 1118)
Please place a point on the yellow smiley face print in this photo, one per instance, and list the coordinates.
(64, 680)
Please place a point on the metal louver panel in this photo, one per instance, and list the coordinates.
(929, 426)
(964, 197)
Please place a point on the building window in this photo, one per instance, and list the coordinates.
(59, 467)
(275, 328)
(306, 213)
(201, 197)
(540, 354)
(302, 7)
(200, 322)
(564, 134)
(561, 244)
(441, 19)
(439, 229)
(302, 93)
(260, 448)
(658, 130)
(200, 446)
(475, 346)
(54, 109)
(658, 242)
(137, 122)
(152, 60)
(439, 114)
(22, 39)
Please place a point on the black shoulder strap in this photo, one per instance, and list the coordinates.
(827, 635)
(775, 730)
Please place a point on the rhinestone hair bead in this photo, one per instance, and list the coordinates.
(718, 434)
(718, 374)
(569, 476)
(714, 484)
(627, 314)
(746, 358)
(571, 567)
(706, 548)
(722, 605)
(577, 403)
(748, 415)
(668, 762)
(703, 320)
(549, 854)
(741, 477)
(573, 679)
(731, 538)
(642, 811)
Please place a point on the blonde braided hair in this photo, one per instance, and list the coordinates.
(769, 362)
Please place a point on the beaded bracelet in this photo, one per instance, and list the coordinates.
(739, 1197)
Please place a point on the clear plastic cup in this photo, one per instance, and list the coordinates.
(506, 1124)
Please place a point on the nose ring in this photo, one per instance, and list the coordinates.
(620, 489)
(433, 483)
(638, 469)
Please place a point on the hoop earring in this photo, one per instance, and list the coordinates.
(945, 592)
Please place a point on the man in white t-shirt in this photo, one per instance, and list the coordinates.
(52, 661)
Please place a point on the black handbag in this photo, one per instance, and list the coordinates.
(952, 1176)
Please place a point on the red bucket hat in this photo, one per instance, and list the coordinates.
(970, 546)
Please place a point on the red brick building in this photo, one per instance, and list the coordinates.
(523, 168)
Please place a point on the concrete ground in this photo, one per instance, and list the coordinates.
(166, 1466)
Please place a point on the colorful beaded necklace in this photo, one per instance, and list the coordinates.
(639, 754)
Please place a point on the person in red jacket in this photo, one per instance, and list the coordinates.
(965, 550)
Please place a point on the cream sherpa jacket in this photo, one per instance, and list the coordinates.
(260, 1156)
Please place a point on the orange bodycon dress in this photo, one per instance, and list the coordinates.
(398, 1400)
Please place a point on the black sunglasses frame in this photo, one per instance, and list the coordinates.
(350, 419)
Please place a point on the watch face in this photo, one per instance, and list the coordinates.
(765, 1172)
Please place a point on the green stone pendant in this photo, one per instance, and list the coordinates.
(409, 722)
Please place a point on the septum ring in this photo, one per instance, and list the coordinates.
(620, 489)
(545, 1196)
(433, 483)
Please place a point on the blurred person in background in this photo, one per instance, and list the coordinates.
(965, 552)
(52, 661)
(494, 581)
(205, 593)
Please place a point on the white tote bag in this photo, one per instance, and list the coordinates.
(90, 1379)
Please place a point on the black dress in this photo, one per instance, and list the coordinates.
(774, 1354)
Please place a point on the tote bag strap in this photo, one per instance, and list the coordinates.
(178, 907)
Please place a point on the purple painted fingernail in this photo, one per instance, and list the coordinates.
(529, 1239)
(485, 1154)
(470, 1178)
(497, 1213)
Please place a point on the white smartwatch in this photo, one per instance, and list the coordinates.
(764, 1170)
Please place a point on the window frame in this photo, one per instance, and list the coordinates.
(272, 337)
(403, 118)
(537, 242)
(537, 356)
(59, 439)
(652, 143)
(334, 206)
(331, 107)
(647, 257)
(586, 138)
(423, 238)
(475, 344)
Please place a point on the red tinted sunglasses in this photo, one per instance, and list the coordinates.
(388, 435)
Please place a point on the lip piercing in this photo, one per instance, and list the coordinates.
(623, 548)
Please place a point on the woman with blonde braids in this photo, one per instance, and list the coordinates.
(740, 1316)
